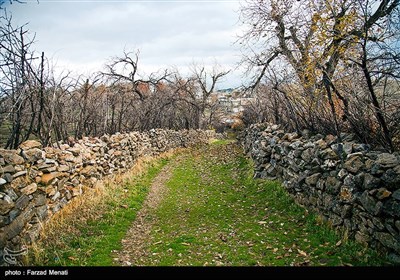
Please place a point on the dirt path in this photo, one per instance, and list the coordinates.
(134, 244)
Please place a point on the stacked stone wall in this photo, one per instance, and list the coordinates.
(351, 186)
(36, 181)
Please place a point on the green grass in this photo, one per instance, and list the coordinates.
(216, 214)
(91, 242)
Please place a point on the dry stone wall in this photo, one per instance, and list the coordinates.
(348, 184)
(36, 182)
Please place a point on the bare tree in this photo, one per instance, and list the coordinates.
(316, 39)
(206, 83)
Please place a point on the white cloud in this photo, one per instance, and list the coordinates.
(84, 35)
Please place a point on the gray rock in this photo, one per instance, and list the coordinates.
(321, 144)
(388, 240)
(20, 173)
(397, 225)
(320, 184)
(22, 202)
(8, 177)
(390, 228)
(6, 204)
(39, 199)
(2, 181)
(362, 238)
(361, 147)
(391, 178)
(376, 169)
(346, 211)
(354, 164)
(33, 155)
(307, 155)
(329, 154)
(342, 173)
(14, 214)
(329, 164)
(41, 212)
(16, 227)
(394, 258)
(387, 160)
(396, 194)
(56, 196)
(348, 148)
(306, 133)
(370, 181)
(350, 181)
(377, 223)
(11, 193)
(392, 208)
(332, 185)
(336, 220)
(369, 203)
(4, 220)
(8, 169)
(313, 179)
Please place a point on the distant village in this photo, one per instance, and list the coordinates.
(231, 103)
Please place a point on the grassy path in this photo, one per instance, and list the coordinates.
(213, 213)
(199, 207)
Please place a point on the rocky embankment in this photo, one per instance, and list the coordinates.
(351, 186)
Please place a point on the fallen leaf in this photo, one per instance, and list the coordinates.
(275, 250)
(279, 257)
(186, 244)
(124, 206)
(302, 253)
(262, 222)
(72, 258)
(339, 243)
(158, 242)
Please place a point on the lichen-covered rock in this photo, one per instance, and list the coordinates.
(387, 160)
(383, 193)
(388, 240)
(354, 164)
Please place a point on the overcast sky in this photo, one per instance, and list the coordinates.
(83, 35)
